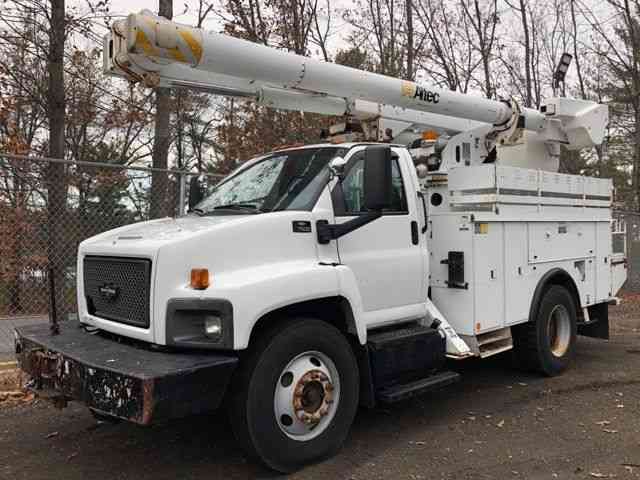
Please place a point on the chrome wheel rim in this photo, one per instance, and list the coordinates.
(306, 396)
(559, 330)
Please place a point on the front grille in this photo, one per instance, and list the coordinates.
(118, 289)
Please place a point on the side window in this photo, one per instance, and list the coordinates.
(353, 188)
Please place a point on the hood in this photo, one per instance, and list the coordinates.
(162, 230)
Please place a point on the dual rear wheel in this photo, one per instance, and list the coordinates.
(547, 343)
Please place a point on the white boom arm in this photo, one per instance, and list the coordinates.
(157, 52)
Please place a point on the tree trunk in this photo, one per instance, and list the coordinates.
(485, 50)
(56, 177)
(576, 57)
(636, 156)
(410, 53)
(527, 54)
(161, 206)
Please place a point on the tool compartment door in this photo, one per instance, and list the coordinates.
(488, 276)
(518, 280)
(452, 233)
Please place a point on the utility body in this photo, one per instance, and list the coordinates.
(318, 278)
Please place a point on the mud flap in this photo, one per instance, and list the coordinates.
(598, 326)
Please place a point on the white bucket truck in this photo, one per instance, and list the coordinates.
(319, 278)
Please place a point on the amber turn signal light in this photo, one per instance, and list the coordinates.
(199, 278)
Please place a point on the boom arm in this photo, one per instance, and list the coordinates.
(157, 52)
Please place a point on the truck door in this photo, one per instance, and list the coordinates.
(388, 255)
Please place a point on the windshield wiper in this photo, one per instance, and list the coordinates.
(197, 211)
(248, 207)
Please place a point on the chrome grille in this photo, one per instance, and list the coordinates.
(118, 288)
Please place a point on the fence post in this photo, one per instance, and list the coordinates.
(181, 194)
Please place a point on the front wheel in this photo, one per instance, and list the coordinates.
(296, 394)
(547, 343)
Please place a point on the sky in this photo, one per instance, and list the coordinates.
(124, 7)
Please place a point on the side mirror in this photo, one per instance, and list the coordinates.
(337, 166)
(195, 192)
(377, 178)
(377, 194)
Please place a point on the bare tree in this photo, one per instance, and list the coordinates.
(620, 51)
(450, 58)
(576, 52)
(379, 27)
(483, 27)
(321, 32)
(161, 138)
(246, 19)
(528, 99)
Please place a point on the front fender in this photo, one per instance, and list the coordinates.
(256, 291)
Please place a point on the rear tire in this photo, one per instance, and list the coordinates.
(303, 360)
(546, 344)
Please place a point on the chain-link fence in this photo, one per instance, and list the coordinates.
(628, 224)
(48, 206)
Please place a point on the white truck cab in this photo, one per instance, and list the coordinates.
(256, 235)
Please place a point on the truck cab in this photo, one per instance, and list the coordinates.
(256, 236)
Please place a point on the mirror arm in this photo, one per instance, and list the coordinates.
(328, 232)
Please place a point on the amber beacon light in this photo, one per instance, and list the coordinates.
(199, 278)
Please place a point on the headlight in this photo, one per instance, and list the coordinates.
(213, 327)
(200, 323)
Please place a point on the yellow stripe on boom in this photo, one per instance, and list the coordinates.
(177, 55)
(142, 41)
(194, 45)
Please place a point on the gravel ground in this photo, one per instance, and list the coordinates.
(497, 423)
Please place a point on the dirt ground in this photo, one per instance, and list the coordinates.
(497, 423)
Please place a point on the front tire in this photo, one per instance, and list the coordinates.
(547, 343)
(295, 395)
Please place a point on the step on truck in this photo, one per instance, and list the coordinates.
(427, 228)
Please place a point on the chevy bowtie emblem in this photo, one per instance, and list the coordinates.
(108, 291)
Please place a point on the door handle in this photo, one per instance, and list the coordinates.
(415, 239)
(424, 210)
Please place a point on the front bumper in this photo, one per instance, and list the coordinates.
(123, 380)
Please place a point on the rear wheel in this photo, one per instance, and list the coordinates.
(295, 395)
(547, 343)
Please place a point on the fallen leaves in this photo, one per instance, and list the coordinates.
(602, 475)
(15, 396)
(11, 391)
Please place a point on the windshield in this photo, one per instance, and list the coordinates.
(288, 180)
